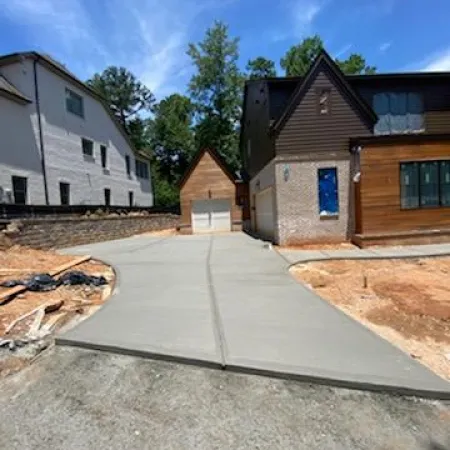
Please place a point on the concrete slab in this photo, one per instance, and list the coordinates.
(227, 300)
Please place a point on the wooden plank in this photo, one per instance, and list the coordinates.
(4, 296)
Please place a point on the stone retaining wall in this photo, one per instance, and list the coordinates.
(58, 233)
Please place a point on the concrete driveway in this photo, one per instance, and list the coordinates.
(227, 301)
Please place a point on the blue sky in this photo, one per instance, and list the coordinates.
(150, 37)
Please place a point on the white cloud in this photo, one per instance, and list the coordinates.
(149, 37)
(384, 47)
(439, 62)
(343, 50)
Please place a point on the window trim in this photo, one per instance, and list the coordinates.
(69, 91)
(26, 191)
(420, 205)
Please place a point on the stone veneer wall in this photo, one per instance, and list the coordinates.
(58, 233)
(298, 203)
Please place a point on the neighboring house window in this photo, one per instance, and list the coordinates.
(399, 112)
(328, 192)
(88, 147)
(107, 197)
(19, 190)
(141, 169)
(74, 103)
(64, 193)
(324, 101)
(131, 198)
(103, 156)
(424, 184)
(128, 164)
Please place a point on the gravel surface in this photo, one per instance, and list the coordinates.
(80, 399)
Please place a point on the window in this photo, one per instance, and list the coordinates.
(324, 101)
(64, 193)
(107, 197)
(328, 192)
(131, 198)
(103, 156)
(398, 112)
(88, 147)
(141, 169)
(424, 184)
(128, 164)
(74, 103)
(19, 190)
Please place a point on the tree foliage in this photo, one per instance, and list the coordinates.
(261, 68)
(299, 58)
(216, 90)
(126, 96)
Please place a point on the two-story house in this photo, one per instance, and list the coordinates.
(333, 157)
(60, 143)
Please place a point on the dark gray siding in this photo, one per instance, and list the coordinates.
(256, 128)
(308, 131)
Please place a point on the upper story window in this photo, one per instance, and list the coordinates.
(74, 103)
(128, 165)
(88, 147)
(141, 169)
(324, 101)
(399, 112)
(103, 156)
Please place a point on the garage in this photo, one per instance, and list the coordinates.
(211, 215)
(213, 197)
(265, 222)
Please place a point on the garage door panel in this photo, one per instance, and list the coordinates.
(211, 215)
(265, 222)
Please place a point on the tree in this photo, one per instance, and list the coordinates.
(126, 96)
(216, 90)
(354, 65)
(261, 68)
(172, 137)
(299, 58)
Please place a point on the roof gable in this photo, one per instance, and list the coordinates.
(303, 85)
(196, 159)
(8, 90)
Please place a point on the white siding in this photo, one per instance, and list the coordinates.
(62, 132)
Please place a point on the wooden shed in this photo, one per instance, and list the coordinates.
(212, 199)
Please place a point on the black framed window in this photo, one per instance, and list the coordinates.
(74, 103)
(64, 193)
(88, 147)
(107, 197)
(103, 156)
(424, 184)
(141, 169)
(19, 190)
(131, 198)
(128, 165)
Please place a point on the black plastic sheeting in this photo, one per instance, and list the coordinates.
(45, 282)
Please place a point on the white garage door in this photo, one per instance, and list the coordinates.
(211, 215)
(264, 214)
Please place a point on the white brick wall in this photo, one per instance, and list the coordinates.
(19, 148)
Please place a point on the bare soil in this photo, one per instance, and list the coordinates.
(406, 302)
(77, 302)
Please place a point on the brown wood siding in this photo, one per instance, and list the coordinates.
(308, 131)
(380, 188)
(207, 181)
(256, 128)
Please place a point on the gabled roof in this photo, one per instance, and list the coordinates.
(9, 90)
(62, 71)
(303, 85)
(196, 159)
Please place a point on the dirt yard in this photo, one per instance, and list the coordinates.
(407, 302)
(65, 305)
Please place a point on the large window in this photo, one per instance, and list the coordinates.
(328, 192)
(425, 184)
(19, 190)
(74, 103)
(141, 169)
(399, 112)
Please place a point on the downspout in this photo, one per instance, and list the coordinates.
(41, 138)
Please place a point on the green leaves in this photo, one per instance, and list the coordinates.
(261, 68)
(299, 58)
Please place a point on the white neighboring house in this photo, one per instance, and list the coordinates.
(60, 143)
